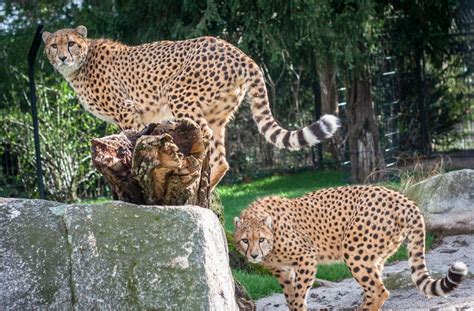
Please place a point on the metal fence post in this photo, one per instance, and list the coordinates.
(31, 74)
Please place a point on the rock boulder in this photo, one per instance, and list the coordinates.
(446, 201)
(34, 257)
(113, 255)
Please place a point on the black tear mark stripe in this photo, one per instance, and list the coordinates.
(67, 44)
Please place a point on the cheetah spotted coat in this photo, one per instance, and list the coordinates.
(360, 225)
(204, 79)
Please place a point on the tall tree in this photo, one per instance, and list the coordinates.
(430, 43)
(341, 33)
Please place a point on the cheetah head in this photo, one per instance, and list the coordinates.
(66, 49)
(254, 237)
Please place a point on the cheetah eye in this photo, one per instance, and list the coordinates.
(71, 43)
(54, 46)
(245, 241)
(261, 240)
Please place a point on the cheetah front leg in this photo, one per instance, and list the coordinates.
(286, 278)
(129, 118)
(304, 279)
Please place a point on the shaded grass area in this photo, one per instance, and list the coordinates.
(258, 281)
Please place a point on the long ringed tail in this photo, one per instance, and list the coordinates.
(419, 272)
(310, 135)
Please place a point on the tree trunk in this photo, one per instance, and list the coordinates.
(317, 150)
(329, 105)
(422, 105)
(327, 81)
(367, 162)
(165, 164)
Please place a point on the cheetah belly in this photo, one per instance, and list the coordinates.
(94, 111)
(155, 116)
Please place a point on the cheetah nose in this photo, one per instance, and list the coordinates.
(254, 256)
(62, 58)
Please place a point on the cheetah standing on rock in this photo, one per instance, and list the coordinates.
(204, 79)
(360, 225)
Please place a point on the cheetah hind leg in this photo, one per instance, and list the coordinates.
(218, 162)
(219, 165)
(375, 293)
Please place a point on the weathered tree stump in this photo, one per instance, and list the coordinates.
(164, 164)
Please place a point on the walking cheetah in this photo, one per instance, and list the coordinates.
(360, 225)
(204, 79)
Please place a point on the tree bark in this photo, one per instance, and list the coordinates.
(367, 162)
(422, 105)
(329, 105)
(327, 82)
(164, 164)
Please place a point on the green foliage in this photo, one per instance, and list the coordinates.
(446, 63)
(65, 133)
(293, 42)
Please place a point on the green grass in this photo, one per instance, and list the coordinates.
(261, 285)
(97, 200)
(237, 197)
(257, 285)
(333, 272)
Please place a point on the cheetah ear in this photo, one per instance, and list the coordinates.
(237, 222)
(82, 30)
(45, 36)
(268, 222)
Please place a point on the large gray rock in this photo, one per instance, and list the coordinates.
(446, 201)
(34, 258)
(119, 256)
(148, 257)
(403, 294)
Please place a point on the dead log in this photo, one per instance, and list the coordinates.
(164, 164)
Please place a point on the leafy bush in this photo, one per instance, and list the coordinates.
(65, 132)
